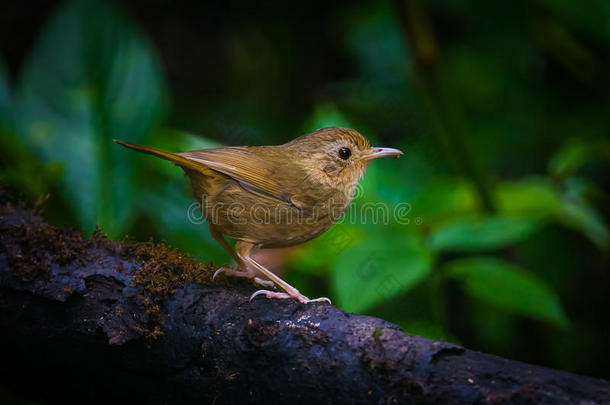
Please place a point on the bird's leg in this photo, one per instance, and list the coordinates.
(244, 270)
(243, 250)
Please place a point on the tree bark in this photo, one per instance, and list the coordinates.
(89, 320)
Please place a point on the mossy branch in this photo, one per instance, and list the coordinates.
(91, 320)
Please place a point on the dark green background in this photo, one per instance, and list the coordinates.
(502, 110)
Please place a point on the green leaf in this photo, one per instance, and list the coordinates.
(19, 167)
(533, 197)
(509, 287)
(91, 77)
(445, 198)
(578, 214)
(377, 269)
(478, 234)
(537, 199)
(576, 153)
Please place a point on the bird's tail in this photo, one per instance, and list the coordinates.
(172, 157)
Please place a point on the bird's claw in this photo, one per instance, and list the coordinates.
(282, 295)
(264, 283)
(321, 299)
(218, 271)
(245, 274)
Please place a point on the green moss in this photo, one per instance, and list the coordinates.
(32, 246)
(163, 270)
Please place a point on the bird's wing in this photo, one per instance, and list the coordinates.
(254, 171)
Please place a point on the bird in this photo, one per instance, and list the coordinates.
(274, 196)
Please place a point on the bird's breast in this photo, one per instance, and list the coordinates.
(266, 221)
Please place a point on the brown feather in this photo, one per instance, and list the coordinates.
(274, 196)
(252, 167)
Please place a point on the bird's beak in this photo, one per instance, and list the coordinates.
(375, 153)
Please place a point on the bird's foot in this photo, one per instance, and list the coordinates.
(245, 274)
(294, 295)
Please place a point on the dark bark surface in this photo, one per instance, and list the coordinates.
(88, 320)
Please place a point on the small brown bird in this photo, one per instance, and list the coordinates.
(275, 196)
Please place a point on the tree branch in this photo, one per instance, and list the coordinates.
(90, 320)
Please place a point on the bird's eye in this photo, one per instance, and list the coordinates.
(345, 153)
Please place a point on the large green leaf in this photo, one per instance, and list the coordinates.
(377, 269)
(509, 287)
(19, 167)
(485, 233)
(91, 77)
(537, 199)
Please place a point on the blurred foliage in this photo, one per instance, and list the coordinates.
(90, 78)
(501, 108)
(499, 283)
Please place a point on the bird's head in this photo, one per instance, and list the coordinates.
(339, 154)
